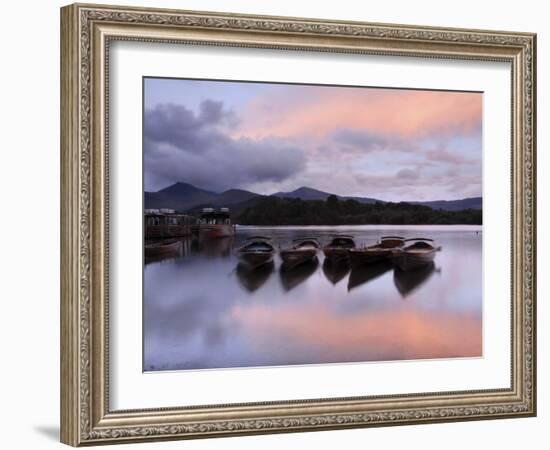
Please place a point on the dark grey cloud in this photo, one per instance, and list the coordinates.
(366, 141)
(175, 124)
(361, 140)
(408, 174)
(442, 155)
(181, 145)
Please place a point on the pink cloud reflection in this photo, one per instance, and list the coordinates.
(374, 335)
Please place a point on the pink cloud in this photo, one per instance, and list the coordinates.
(318, 111)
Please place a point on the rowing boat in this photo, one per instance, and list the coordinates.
(256, 251)
(339, 247)
(302, 250)
(160, 248)
(417, 253)
(381, 251)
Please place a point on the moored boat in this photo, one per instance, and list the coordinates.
(256, 251)
(381, 251)
(417, 253)
(161, 248)
(339, 247)
(215, 224)
(302, 250)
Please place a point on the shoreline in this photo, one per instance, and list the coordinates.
(456, 227)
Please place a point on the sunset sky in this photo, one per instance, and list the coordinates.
(391, 144)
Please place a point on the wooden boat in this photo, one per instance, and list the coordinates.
(417, 253)
(301, 251)
(408, 282)
(256, 251)
(381, 251)
(335, 270)
(254, 278)
(293, 276)
(365, 273)
(339, 247)
(161, 248)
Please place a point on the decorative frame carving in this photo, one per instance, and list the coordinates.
(86, 32)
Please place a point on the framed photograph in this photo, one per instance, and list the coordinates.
(276, 224)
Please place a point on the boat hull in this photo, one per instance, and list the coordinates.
(161, 249)
(293, 258)
(413, 260)
(255, 259)
(216, 231)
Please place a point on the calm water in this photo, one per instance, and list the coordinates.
(203, 310)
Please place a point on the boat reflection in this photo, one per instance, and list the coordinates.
(367, 272)
(215, 248)
(335, 270)
(161, 258)
(292, 277)
(407, 282)
(254, 278)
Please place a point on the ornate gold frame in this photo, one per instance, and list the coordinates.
(86, 31)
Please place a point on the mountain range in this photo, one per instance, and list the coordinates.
(186, 197)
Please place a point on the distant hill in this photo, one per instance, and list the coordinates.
(233, 196)
(305, 193)
(454, 205)
(186, 197)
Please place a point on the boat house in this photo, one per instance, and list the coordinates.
(162, 223)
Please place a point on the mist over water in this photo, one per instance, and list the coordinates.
(203, 310)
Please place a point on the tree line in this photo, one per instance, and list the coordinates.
(335, 211)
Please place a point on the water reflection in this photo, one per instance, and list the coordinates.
(367, 272)
(408, 282)
(254, 278)
(162, 258)
(293, 276)
(198, 311)
(215, 248)
(335, 270)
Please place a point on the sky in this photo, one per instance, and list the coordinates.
(390, 144)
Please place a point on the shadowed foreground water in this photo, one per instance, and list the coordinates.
(203, 310)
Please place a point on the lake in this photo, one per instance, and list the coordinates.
(202, 310)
